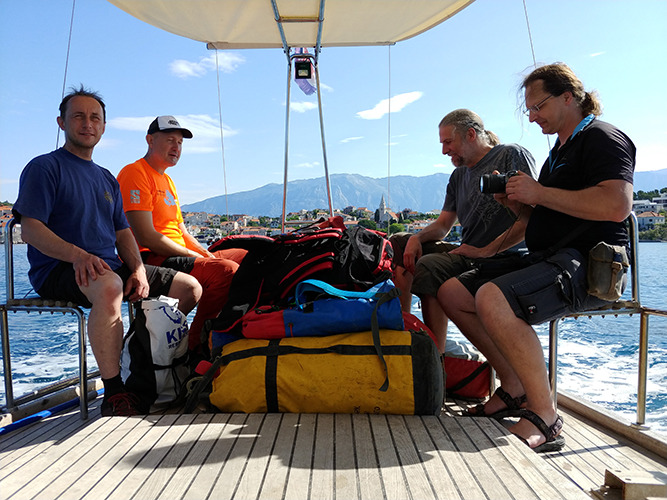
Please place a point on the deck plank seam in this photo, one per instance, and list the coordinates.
(534, 473)
(419, 456)
(440, 456)
(185, 454)
(484, 487)
(270, 457)
(291, 459)
(353, 438)
(495, 459)
(131, 425)
(162, 455)
(377, 456)
(245, 424)
(42, 453)
(247, 458)
(456, 447)
(173, 483)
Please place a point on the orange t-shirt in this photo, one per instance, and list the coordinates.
(143, 188)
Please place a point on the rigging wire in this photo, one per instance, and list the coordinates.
(530, 36)
(388, 134)
(222, 140)
(532, 49)
(69, 44)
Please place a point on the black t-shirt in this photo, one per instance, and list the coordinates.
(597, 153)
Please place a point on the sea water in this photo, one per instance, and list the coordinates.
(597, 357)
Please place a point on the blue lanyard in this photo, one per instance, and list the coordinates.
(577, 129)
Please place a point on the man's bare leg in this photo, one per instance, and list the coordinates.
(435, 319)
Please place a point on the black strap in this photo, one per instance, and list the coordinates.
(271, 376)
(375, 327)
(469, 378)
(204, 381)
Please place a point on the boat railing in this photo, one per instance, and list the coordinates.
(620, 307)
(35, 304)
(38, 305)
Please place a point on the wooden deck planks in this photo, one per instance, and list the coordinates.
(290, 456)
(590, 451)
(345, 463)
(278, 468)
(368, 468)
(455, 467)
(412, 468)
(227, 429)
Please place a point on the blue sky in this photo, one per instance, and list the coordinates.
(474, 60)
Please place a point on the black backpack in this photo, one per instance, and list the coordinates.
(354, 258)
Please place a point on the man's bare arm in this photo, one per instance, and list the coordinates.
(141, 222)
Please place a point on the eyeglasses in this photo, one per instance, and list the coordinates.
(536, 107)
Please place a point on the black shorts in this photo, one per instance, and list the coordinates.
(546, 290)
(61, 284)
(179, 263)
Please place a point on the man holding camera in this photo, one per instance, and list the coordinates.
(582, 197)
(422, 261)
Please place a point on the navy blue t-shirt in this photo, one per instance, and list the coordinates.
(78, 200)
(598, 152)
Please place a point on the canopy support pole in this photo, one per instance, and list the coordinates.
(283, 218)
(286, 48)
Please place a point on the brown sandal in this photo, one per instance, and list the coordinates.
(554, 441)
(513, 407)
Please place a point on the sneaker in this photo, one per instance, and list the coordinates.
(122, 404)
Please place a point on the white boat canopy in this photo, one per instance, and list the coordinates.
(247, 24)
(290, 24)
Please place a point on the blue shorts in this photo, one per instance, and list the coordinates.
(543, 291)
(60, 284)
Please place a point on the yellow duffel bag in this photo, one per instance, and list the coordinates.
(344, 373)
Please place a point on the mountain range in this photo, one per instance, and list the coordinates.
(421, 194)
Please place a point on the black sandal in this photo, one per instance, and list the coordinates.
(554, 442)
(513, 407)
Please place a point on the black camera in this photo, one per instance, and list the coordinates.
(495, 183)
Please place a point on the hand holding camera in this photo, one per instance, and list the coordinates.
(495, 183)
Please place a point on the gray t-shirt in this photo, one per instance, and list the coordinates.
(482, 218)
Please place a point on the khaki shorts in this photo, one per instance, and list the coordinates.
(435, 266)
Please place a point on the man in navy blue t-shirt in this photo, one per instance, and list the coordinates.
(81, 248)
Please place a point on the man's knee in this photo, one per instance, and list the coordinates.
(186, 289)
(489, 300)
(214, 273)
(425, 280)
(107, 289)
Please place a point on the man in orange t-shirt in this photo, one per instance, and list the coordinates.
(151, 205)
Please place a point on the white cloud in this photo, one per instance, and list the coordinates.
(350, 139)
(308, 164)
(302, 107)
(205, 130)
(398, 102)
(228, 62)
(651, 156)
(595, 54)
